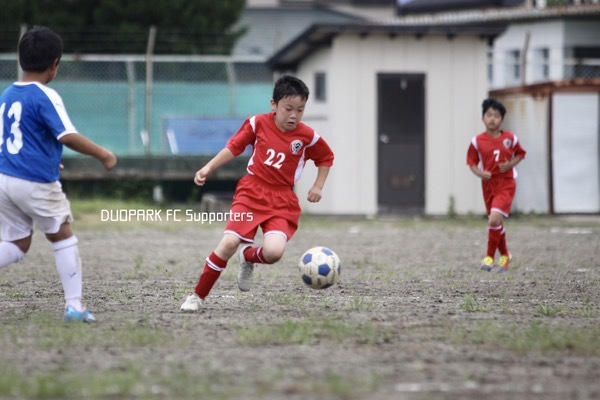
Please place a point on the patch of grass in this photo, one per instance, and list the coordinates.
(136, 273)
(470, 305)
(549, 311)
(585, 311)
(309, 331)
(286, 298)
(342, 386)
(534, 337)
(360, 304)
(377, 272)
(15, 294)
(132, 379)
(45, 331)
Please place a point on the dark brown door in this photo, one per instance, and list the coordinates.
(401, 138)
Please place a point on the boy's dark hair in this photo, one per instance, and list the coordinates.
(287, 86)
(38, 48)
(494, 104)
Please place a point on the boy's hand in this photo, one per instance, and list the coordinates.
(201, 175)
(485, 175)
(109, 160)
(314, 194)
(505, 166)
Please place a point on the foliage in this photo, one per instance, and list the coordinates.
(115, 26)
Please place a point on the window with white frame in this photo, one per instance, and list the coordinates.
(541, 64)
(513, 66)
(320, 86)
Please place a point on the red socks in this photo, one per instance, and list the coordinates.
(493, 239)
(254, 255)
(215, 265)
(212, 270)
(502, 248)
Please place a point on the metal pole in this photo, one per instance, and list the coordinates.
(149, 70)
(130, 69)
(231, 81)
(19, 70)
(524, 59)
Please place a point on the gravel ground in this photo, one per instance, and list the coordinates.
(428, 324)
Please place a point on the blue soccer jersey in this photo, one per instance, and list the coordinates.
(32, 119)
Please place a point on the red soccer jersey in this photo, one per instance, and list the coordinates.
(489, 152)
(278, 157)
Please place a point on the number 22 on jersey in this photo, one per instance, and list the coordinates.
(274, 159)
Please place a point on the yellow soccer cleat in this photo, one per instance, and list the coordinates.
(503, 262)
(487, 263)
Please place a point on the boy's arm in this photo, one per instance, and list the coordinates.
(485, 175)
(83, 145)
(509, 164)
(315, 192)
(223, 157)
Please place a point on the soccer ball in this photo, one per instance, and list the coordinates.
(319, 267)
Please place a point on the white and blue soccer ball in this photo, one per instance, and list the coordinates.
(319, 267)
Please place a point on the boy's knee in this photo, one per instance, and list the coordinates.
(495, 219)
(10, 253)
(272, 255)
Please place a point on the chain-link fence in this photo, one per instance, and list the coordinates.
(128, 105)
(124, 103)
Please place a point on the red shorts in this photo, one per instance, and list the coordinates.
(498, 195)
(273, 208)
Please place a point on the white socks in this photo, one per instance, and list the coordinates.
(9, 254)
(68, 265)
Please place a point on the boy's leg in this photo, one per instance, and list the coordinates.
(505, 256)
(494, 231)
(12, 252)
(502, 206)
(502, 248)
(270, 252)
(277, 231)
(215, 264)
(16, 226)
(68, 264)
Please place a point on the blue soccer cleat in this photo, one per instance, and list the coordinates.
(72, 315)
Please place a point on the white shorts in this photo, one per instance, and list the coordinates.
(23, 203)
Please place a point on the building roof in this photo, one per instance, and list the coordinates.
(271, 28)
(320, 35)
(428, 6)
(504, 15)
(487, 23)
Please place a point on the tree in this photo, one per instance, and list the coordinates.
(116, 26)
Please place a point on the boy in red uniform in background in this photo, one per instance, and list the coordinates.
(264, 197)
(498, 152)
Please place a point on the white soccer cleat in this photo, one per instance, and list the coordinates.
(245, 276)
(192, 303)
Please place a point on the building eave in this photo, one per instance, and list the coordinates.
(322, 35)
(497, 15)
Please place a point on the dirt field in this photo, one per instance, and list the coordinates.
(411, 318)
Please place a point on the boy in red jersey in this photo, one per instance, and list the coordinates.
(264, 198)
(498, 152)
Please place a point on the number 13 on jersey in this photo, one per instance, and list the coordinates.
(12, 145)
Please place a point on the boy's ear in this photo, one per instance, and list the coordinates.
(55, 64)
(273, 105)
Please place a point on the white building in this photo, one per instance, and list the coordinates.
(399, 106)
(399, 101)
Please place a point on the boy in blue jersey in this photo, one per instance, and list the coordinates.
(34, 126)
